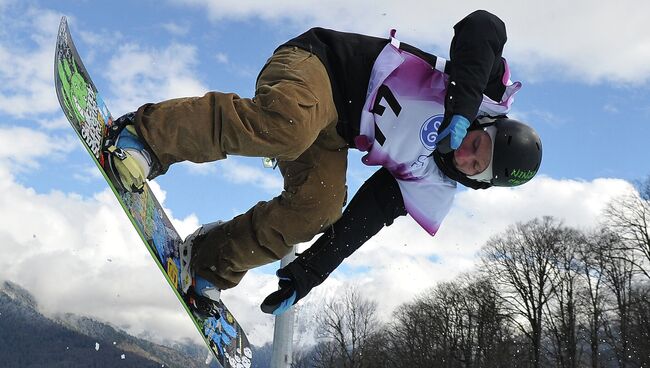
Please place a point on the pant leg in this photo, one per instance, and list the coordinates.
(313, 198)
(293, 118)
(292, 105)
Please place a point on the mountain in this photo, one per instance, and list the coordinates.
(30, 339)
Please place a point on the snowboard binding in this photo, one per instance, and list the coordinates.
(190, 282)
(130, 161)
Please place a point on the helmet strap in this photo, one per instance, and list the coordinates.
(446, 165)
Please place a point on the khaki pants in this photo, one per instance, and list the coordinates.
(292, 118)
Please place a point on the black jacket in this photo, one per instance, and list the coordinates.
(475, 66)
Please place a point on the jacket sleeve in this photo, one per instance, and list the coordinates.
(377, 203)
(476, 64)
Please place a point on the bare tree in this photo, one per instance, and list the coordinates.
(455, 324)
(644, 189)
(520, 262)
(304, 358)
(640, 325)
(325, 355)
(377, 351)
(484, 330)
(562, 311)
(414, 334)
(629, 217)
(345, 327)
(620, 266)
(592, 255)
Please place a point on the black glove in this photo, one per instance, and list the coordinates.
(377, 203)
(296, 281)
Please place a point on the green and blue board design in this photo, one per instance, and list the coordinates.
(89, 116)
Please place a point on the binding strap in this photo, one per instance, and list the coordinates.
(128, 163)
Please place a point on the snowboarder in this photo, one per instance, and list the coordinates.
(429, 123)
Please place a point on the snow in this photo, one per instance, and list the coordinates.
(208, 360)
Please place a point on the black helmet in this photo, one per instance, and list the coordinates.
(516, 155)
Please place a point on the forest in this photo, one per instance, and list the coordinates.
(543, 294)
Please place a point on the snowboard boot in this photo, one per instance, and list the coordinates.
(129, 159)
(189, 279)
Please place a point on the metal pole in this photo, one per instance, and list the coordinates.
(283, 331)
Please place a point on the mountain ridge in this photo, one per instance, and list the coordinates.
(30, 339)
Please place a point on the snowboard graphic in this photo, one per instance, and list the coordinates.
(89, 116)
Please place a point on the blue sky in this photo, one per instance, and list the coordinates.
(585, 90)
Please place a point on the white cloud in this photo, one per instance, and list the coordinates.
(64, 247)
(235, 170)
(579, 39)
(176, 29)
(58, 122)
(67, 248)
(185, 226)
(138, 75)
(23, 146)
(95, 38)
(244, 302)
(541, 117)
(403, 260)
(222, 58)
(239, 173)
(93, 42)
(610, 108)
(208, 168)
(87, 174)
(26, 76)
(5, 3)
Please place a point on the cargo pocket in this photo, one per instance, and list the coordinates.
(297, 172)
(290, 100)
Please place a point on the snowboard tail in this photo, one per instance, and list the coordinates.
(91, 119)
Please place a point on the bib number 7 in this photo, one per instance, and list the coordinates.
(384, 93)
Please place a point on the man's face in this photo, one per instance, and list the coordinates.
(474, 154)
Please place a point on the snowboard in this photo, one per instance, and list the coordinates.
(90, 118)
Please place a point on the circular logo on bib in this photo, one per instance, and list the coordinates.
(429, 131)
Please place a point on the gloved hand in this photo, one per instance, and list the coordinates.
(296, 281)
(457, 129)
(281, 300)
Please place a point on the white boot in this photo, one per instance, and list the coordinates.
(129, 159)
(188, 277)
